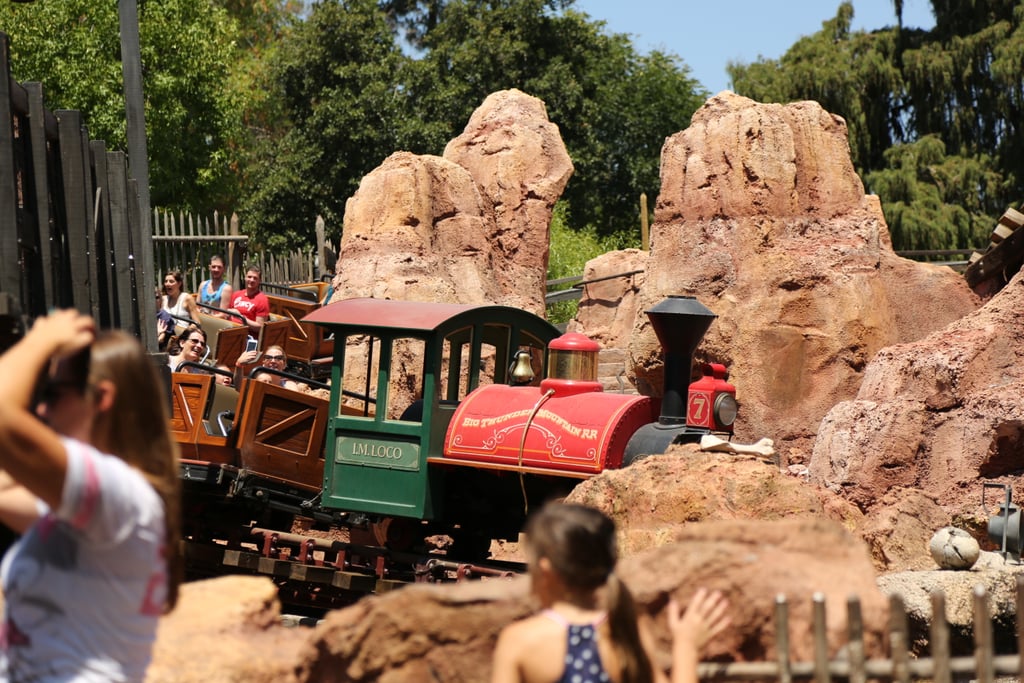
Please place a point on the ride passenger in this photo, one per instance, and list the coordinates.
(164, 323)
(588, 630)
(175, 301)
(216, 291)
(275, 359)
(250, 302)
(90, 478)
(193, 348)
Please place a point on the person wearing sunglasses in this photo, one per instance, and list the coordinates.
(89, 477)
(273, 358)
(193, 348)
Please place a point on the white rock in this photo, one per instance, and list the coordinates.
(954, 548)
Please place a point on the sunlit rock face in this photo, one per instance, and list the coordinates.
(470, 226)
(763, 218)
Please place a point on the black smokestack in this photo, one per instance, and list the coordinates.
(680, 323)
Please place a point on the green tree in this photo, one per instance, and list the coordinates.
(350, 97)
(934, 116)
(337, 77)
(613, 107)
(73, 48)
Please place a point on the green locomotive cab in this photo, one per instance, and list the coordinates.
(400, 370)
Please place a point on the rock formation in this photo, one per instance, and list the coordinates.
(610, 307)
(942, 414)
(446, 634)
(762, 217)
(226, 629)
(468, 227)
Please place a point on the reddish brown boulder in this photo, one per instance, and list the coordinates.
(517, 158)
(610, 307)
(942, 414)
(899, 527)
(226, 629)
(653, 498)
(471, 227)
(762, 217)
(753, 562)
(446, 634)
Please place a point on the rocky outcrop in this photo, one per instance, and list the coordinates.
(446, 634)
(226, 629)
(468, 227)
(942, 414)
(610, 306)
(651, 500)
(762, 217)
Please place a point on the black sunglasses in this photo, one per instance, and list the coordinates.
(268, 356)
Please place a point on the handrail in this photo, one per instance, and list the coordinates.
(226, 312)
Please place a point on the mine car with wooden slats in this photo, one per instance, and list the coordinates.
(442, 419)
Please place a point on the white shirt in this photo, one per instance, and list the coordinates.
(85, 586)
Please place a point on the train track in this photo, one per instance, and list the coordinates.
(320, 574)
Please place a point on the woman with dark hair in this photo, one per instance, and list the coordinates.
(176, 300)
(192, 348)
(588, 631)
(90, 478)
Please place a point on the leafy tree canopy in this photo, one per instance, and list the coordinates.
(188, 46)
(352, 96)
(934, 116)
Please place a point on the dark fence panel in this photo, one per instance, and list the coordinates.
(70, 227)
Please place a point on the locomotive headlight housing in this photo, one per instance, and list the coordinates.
(725, 409)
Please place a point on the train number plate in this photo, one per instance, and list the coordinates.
(400, 455)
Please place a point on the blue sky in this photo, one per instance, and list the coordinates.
(707, 34)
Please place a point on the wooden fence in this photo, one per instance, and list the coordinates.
(942, 665)
(71, 232)
(185, 242)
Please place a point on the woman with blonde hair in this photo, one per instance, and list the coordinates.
(587, 631)
(90, 478)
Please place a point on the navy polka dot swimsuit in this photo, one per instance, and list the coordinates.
(582, 660)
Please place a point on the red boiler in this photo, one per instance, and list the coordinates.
(585, 433)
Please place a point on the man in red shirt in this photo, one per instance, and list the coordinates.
(251, 302)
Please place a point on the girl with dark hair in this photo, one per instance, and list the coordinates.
(90, 478)
(588, 630)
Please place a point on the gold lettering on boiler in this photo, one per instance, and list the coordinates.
(568, 427)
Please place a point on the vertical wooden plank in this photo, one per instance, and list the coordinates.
(41, 173)
(106, 279)
(69, 125)
(855, 648)
(235, 254)
(983, 654)
(190, 258)
(144, 319)
(321, 248)
(939, 636)
(117, 193)
(820, 635)
(899, 640)
(782, 639)
(89, 188)
(158, 244)
(10, 270)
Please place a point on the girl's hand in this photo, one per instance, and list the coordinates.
(64, 332)
(704, 618)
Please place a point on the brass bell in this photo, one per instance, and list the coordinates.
(521, 370)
